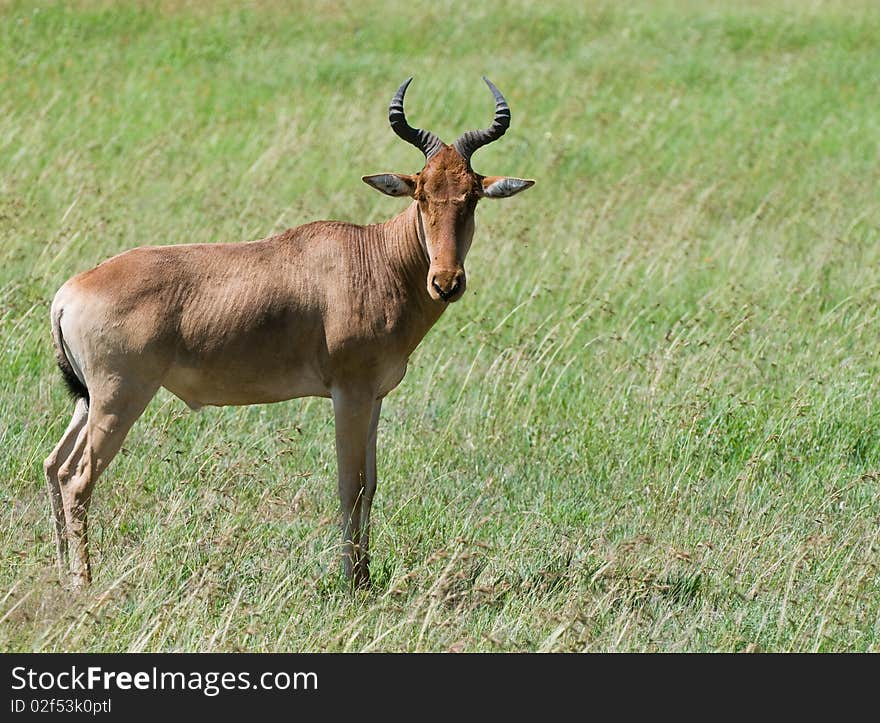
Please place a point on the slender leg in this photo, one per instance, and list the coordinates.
(101, 438)
(369, 489)
(51, 466)
(354, 420)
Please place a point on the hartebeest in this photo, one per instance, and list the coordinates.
(326, 309)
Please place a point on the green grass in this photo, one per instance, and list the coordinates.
(651, 424)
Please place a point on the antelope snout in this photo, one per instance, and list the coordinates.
(446, 284)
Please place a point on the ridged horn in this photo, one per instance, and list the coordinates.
(472, 140)
(425, 141)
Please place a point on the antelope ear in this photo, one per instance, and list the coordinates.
(392, 184)
(502, 186)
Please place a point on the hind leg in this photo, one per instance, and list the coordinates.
(108, 422)
(51, 466)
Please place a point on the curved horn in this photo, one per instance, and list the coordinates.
(472, 140)
(425, 141)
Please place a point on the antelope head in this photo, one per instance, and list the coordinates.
(447, 190)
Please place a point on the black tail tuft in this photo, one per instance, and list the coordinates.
(76, 388)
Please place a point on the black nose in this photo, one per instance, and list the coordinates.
(446, 293)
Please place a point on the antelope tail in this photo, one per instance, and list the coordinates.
(75, 385)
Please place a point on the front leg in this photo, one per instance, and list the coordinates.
(357, 418)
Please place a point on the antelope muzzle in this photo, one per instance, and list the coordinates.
(447, 284)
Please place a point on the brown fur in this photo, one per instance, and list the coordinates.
(327, 309)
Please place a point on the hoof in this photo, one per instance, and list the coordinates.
(361, 580)
(75, 583)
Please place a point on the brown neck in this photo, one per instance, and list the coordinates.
(407, 259)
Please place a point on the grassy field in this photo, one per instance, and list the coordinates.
(651, 424)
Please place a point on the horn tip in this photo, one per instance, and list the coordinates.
(403, 86)
(499, 97)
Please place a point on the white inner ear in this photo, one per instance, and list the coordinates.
(389, 184)
(504, 187)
